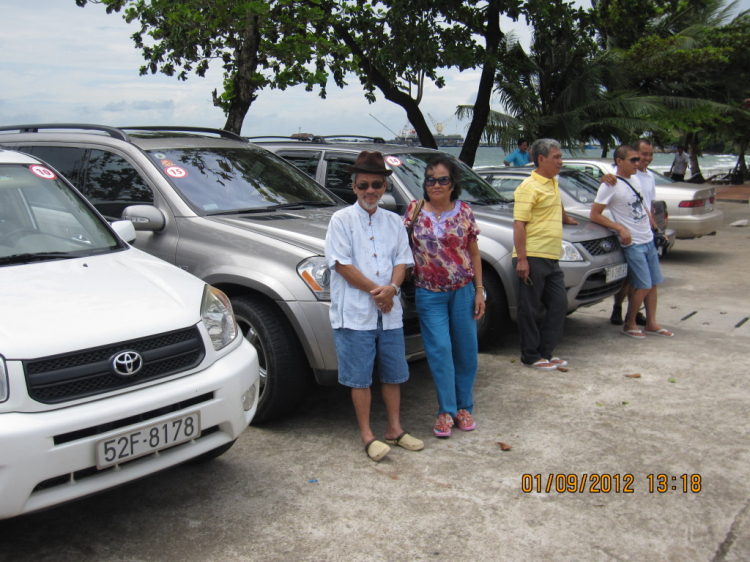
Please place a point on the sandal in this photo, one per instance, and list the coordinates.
(376, 450)
(443, 425)
(542, 365)
(559, 362)
(464, 421)
(407, 442)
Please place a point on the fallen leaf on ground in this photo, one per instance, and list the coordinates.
(563, 369)
(634, 376)
(512, 360)
(672, 379)
(599, 404)
(626, 403)
(504, 446)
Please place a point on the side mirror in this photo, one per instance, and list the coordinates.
(388, 201)
(125, 230)
(144, 217)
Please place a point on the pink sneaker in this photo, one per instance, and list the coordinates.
(443, 425)
(464, 421)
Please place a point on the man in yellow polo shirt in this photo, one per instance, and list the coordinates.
(537, 235)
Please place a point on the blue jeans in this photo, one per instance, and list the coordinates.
(449, 334)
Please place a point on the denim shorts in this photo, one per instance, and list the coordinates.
(357, 351)
(644, 270)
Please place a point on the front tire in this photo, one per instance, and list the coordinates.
(284, 372)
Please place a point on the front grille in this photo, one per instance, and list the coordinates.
(71, 376)
(602, 246)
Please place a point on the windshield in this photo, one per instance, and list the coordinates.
(409, 168)
(42, 218)
(220, 180)
(579, 185)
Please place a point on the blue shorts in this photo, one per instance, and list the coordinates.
(644, 270)
(357, 350)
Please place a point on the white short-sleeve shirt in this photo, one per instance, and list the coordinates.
(374, 244)
(626, 208)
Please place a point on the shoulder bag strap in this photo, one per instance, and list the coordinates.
(638, 195)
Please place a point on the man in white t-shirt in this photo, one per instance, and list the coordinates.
(648, 190)
(632, 223)
(679, 165)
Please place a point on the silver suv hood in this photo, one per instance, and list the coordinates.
(304, 228)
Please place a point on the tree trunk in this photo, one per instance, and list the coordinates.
(391, 92)
(694, 151)
(481, 112)
(244, 88)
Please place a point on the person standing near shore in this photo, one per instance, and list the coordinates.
(679, 165)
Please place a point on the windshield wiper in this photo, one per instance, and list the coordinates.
(239, 211)
(303, 203)
(28, 258)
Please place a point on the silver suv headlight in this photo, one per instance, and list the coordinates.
(218, 317)
(3, 381)
(317, 276)
(569, 252)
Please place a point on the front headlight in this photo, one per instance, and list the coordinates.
(218, 317)
(3, 381)
(317, 276)
(569, 252)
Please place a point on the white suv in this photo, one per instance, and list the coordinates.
(113, 364)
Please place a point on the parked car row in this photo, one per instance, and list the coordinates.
(123, 364)
(113, 363)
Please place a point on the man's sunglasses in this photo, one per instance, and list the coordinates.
(634, 160)
(366, 185)
(445, 180)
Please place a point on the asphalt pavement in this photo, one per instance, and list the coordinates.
(670, 445)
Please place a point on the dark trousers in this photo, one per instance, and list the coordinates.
(677, 177)
(546, 296)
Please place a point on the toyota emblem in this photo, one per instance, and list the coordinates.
(127, 363)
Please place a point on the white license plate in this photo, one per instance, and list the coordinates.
(147, 439)
(616, 272)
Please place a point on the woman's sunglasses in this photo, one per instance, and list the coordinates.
(445, 180)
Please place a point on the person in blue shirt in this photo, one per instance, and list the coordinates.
(520, 156)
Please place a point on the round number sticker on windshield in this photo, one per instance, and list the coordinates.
(43, 172)
(393, 161)
(176, 172)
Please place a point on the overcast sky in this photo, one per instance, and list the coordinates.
(60, 63)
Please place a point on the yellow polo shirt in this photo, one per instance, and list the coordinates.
(538, 205)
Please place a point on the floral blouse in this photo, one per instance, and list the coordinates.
(441, 248)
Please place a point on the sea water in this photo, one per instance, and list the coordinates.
(710, 164)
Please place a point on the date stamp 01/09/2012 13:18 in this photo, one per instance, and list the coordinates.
(609, 483)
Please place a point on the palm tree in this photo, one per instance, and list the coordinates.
(566, 90)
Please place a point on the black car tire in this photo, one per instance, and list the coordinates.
(212, 454)
(283, 366)
(495, 323)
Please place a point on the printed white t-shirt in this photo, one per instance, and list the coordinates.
(626, 208)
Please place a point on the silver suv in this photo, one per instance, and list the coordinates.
(591, 259)
(229, 212)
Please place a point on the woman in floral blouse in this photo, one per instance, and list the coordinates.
(446, 260)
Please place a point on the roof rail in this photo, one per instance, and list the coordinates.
(177, 129)
(301, 138)
(111, 131)
(376, 140)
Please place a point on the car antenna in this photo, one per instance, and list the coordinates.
(384, 125)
